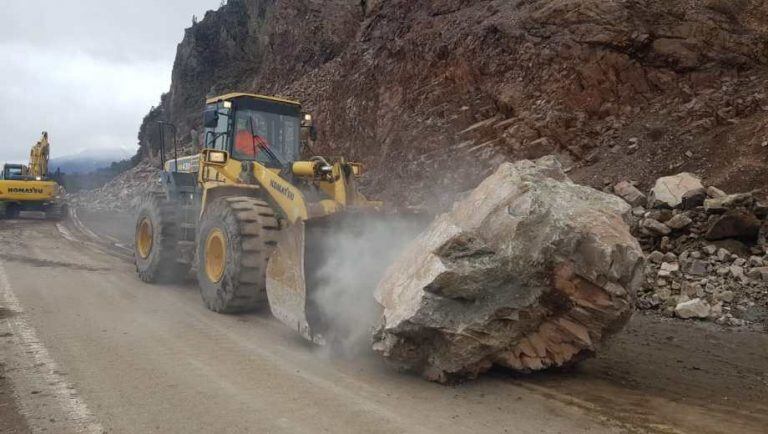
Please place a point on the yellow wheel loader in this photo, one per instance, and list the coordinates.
(244, 211)
(29, 188)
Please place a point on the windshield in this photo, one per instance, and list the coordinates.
(13, 172)
(272, 139)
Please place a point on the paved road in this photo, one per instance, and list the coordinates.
(88, 347)
(104, 351)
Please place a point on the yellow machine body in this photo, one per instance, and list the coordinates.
(28, 187)
(300, 192)
(28, 191)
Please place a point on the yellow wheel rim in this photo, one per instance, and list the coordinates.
(215, 255)
(144, 238)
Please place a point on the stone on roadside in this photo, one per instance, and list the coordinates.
(680, 221)
(736, 271)
(656, 257)
(723, 255)
(726, 296)
(694, 198)
(529, 271)
(667, 269)
(722, 204)
(738, 223)
(696, 308)
(760, 208)
(669, 190)
(630, 194)
(655, 227)
(695, 267)
(758, 273)
(715, 192)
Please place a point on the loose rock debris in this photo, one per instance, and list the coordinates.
(706, 251)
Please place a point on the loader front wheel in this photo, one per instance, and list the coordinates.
(236, 237)
(157, 233)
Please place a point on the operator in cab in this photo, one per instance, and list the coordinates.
(250, 136)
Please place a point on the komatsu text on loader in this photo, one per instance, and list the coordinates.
(247, 208)
(29, 188)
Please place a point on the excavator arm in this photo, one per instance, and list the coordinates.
(38, 158)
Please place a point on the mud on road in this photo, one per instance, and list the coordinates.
(178, 364)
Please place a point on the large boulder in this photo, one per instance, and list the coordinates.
(668, 192)
(529, 271)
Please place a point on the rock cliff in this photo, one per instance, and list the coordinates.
(438, 92)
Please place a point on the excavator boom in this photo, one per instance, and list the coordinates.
(38, 158)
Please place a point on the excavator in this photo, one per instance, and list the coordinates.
(245, 212)
(29, 188)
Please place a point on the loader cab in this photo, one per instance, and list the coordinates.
(254, 128)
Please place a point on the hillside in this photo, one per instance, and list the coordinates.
(440, 92)
(88, 161)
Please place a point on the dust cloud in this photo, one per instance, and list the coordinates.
(355, 258)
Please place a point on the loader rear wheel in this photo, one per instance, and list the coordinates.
(157, 232)
(236, 237)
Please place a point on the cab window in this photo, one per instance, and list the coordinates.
(269, 138)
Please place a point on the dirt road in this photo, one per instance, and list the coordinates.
(85, 346)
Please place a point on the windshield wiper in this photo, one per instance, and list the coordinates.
(266, 148)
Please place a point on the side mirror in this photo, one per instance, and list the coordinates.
(210, 118)
(313, 133)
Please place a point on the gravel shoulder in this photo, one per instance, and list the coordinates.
(11, 419)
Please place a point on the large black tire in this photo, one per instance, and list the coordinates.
(250, 230)
(158, 263)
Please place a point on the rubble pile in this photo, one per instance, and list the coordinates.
(119, 193)
(529, 271)
(706, 250)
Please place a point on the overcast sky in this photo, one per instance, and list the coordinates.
(86, 71)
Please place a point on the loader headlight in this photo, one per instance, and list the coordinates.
(216, 157)
(357, 169)
(38, 178)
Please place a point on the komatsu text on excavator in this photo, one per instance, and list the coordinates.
(246, 209)
(29, 188)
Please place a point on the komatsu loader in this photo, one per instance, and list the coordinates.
(29, 188)
(247, 212)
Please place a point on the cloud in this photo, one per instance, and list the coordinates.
(83, 101)
(86, 71)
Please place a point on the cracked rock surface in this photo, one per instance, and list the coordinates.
(529, 271)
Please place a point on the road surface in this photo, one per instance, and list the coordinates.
(86, 347)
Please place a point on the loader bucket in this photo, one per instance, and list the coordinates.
(306, 260)
(287, 284)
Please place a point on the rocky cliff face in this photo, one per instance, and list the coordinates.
(433, 95)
